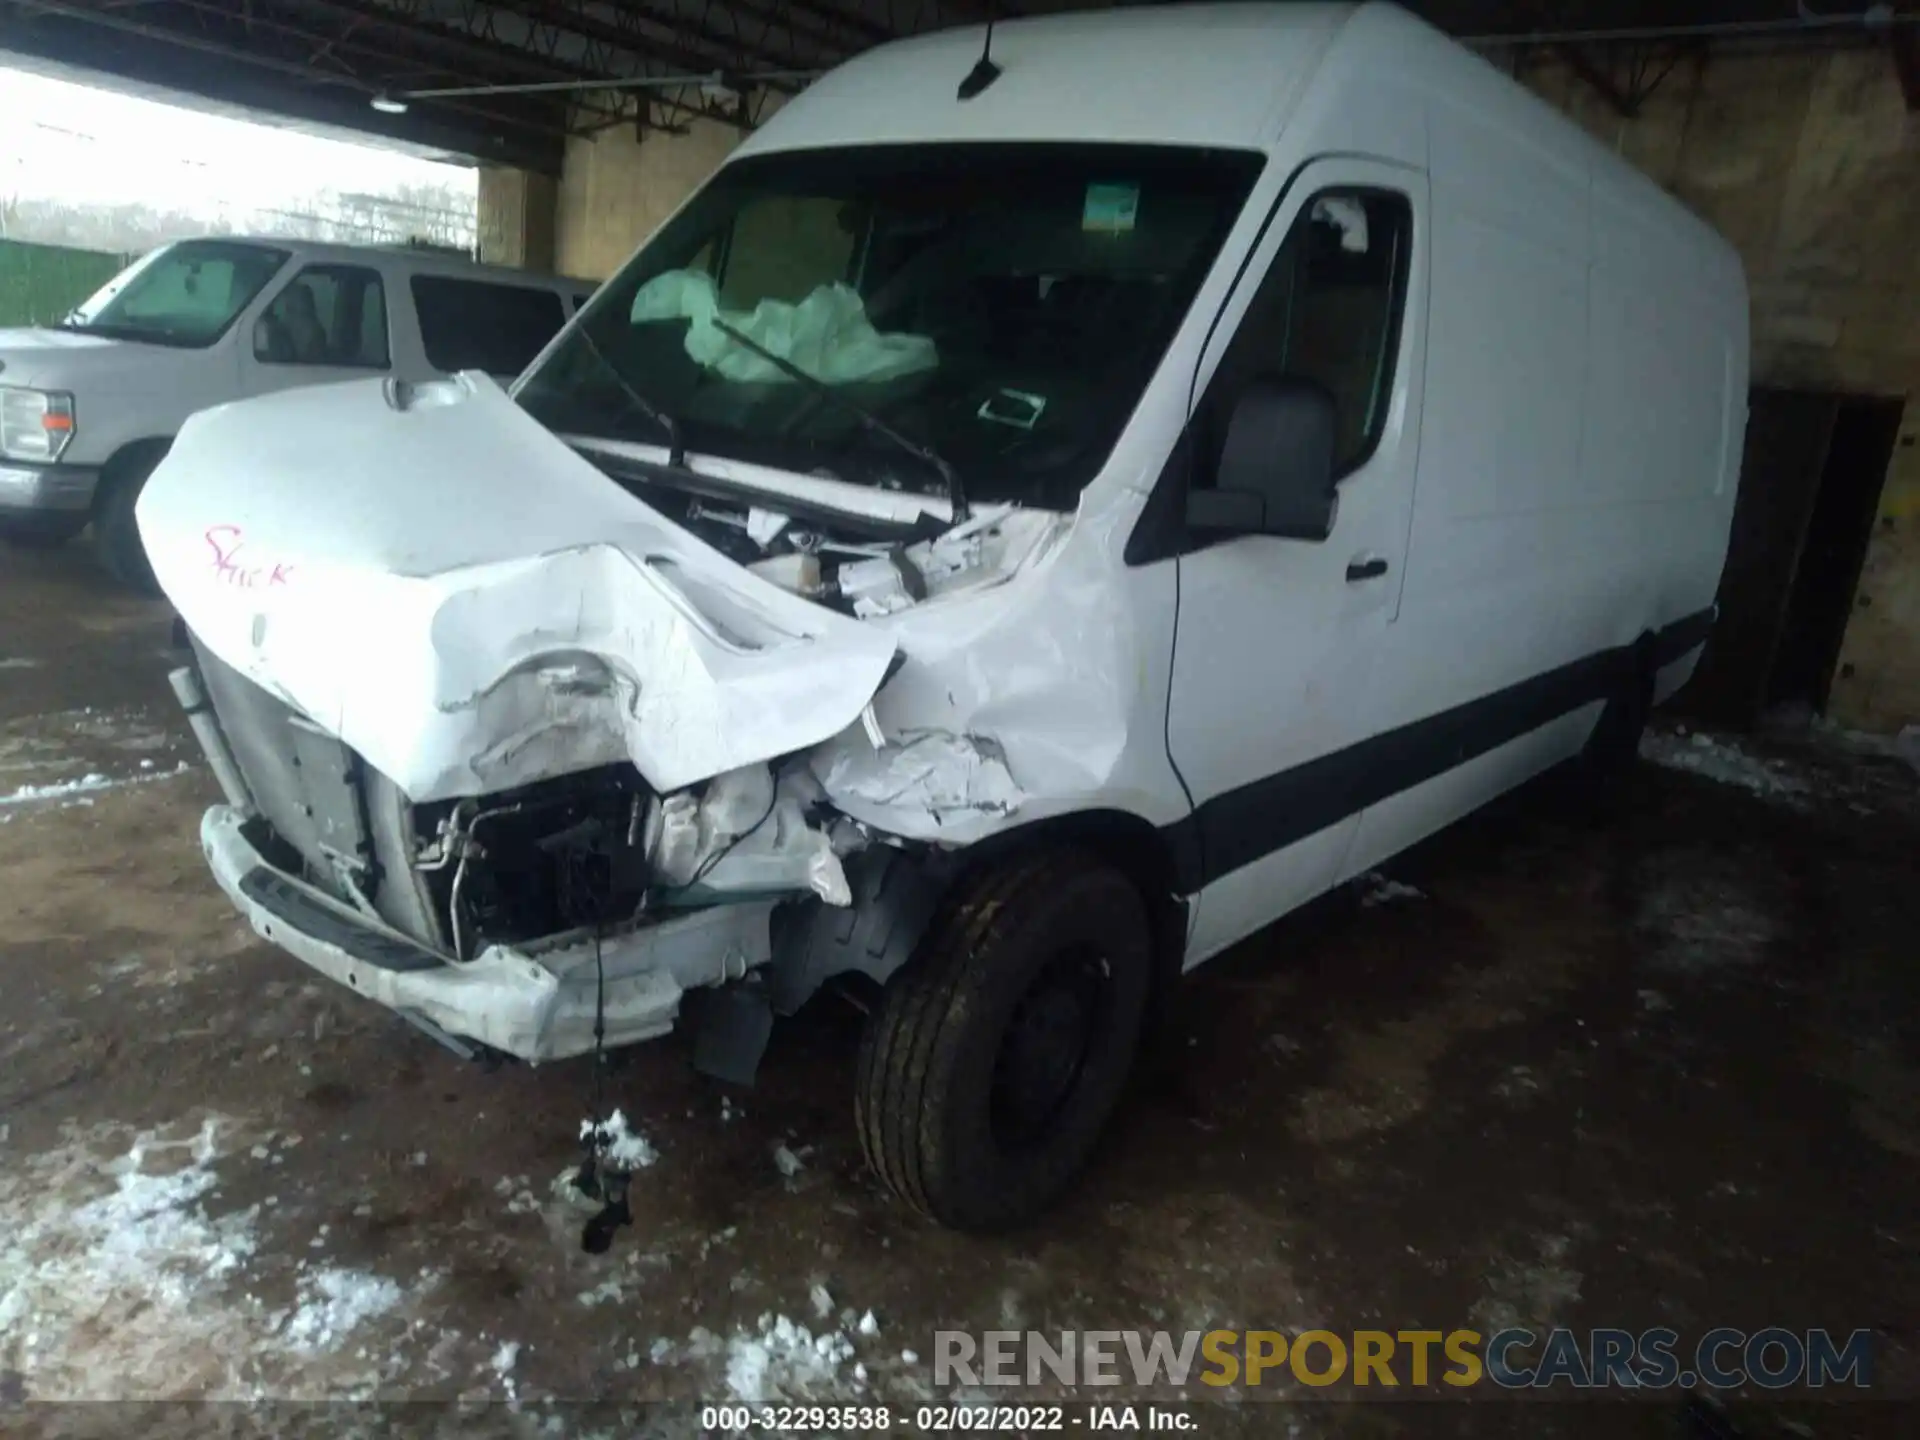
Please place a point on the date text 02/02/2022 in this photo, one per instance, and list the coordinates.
(942, 1419)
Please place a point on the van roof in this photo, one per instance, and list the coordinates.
(1205, 74)
(428, 261)
(1224, 75)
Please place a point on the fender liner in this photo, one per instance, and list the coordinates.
(895, 896)
(898, 896)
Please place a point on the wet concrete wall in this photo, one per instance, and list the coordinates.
(1809, 162)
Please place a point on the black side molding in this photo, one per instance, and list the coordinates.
(1248, 823)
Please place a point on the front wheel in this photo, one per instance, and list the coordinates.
(998, 1053)
(116, 537)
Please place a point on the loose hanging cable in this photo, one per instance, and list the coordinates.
(598, 1177)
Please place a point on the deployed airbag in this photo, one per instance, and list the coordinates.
(827, 334)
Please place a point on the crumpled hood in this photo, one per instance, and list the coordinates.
(427, 573)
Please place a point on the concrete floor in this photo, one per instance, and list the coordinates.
(1661, 1068)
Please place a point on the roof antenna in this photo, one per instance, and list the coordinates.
(984, 71)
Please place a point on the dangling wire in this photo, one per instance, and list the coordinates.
(598, 1108)
(596, 1178)
(727, 849)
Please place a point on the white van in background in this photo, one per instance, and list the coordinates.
(1023, 526)
(88, 406)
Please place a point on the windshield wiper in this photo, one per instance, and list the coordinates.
(676, 450)
(137, 333)
(926, 454)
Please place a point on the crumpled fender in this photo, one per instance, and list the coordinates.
(1017, 702)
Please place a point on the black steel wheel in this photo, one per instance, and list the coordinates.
(998, 1053)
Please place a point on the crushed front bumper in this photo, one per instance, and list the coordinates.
(536, 1002)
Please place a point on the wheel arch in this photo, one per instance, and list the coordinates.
(899, 894)
(147, 450)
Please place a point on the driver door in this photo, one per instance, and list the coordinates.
(1277, 638)
(326, 323)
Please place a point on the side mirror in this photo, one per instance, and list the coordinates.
(263, 339)
(1274, 474)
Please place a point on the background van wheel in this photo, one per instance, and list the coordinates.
(1614, 747)
(998, 1053)
(116, 538)
(40, 531)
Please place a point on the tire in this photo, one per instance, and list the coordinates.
(40, 531)
(998, 1053)
(116, 538)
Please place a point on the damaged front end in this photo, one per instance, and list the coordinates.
(538, 921)
(530, 801)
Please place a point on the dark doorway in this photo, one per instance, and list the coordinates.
(1809, 491)
(1838, 532)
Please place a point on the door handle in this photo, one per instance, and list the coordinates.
(1370, 569)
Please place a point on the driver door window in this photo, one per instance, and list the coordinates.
(329, 315)
(1329, 311)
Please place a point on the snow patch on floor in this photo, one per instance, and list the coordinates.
(107, 1293)
(58, 788)
(1377, 889)
(782, 1359)
(1700, 913)
(88, 784)
(622, 1146)
(1722, 762)
(123, 1278)
(69, 742)
(335, 1303)
(502, 1363)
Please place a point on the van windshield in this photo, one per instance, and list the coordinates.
(185, 294)
(1002, 305)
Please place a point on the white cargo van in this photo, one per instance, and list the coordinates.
(1020, 528)
(88, 406)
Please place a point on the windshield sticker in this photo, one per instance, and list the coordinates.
(1013, 407)
(1110, 209)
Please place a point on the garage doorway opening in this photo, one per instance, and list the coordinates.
(1809, 491)
(1832, 554)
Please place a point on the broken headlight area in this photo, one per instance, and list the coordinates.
(598, 849)
(525, 864)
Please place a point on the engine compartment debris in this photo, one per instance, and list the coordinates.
(860, 568)
(945, 775)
